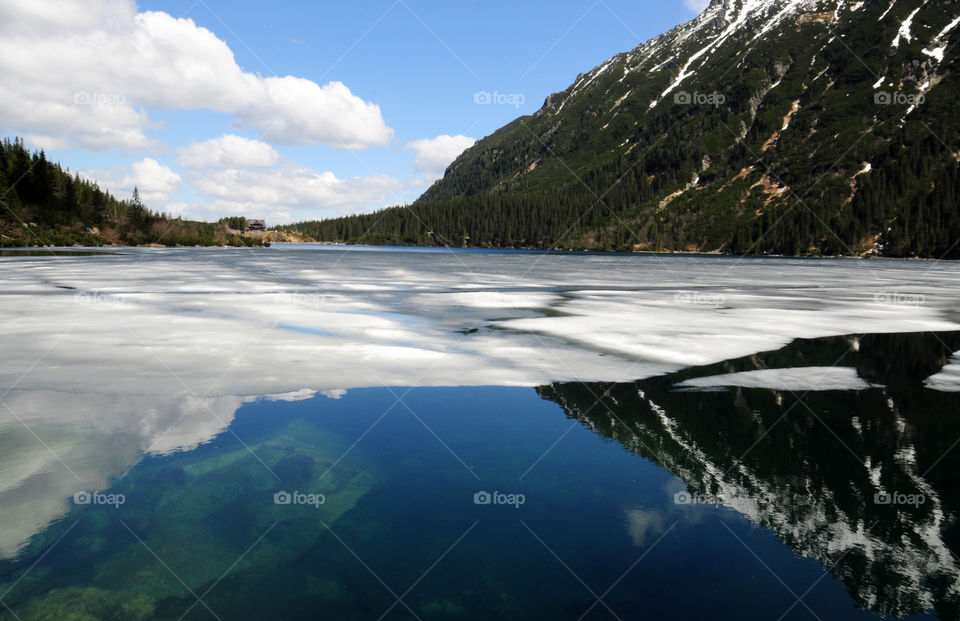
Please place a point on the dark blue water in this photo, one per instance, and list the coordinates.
(589, 526)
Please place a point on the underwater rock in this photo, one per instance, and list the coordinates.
(444, 609)
(323, 588)
(86, 604)
(202, 524)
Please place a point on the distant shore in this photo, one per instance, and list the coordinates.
(262, 239)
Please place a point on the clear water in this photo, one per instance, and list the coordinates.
(599, 533)
(609, 500)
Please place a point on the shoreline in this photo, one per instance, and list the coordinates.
(10, 250)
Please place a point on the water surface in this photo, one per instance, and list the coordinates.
(159, 413)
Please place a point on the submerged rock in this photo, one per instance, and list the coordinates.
(211, 516)
(87, 604)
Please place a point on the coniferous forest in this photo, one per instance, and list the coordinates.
(920, 221)
(819, 137)
(43, 204)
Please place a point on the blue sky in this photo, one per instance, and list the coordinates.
(411, 71)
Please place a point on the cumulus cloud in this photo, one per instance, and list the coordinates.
(227, 152)
(233, 176)
(216, 209)
(297, 111)
(697, 6)
(280, 194)
(152, 177)
(433, 155)
(154, 181)
(88, 70)
(293, 186)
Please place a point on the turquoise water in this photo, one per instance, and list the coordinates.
(584, 520)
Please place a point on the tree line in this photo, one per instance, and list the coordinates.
(44, 204)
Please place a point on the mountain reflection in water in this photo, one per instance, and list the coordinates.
(863, 481)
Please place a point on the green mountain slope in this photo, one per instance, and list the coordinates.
(762, 126)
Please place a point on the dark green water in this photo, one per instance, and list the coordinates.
(789, 527)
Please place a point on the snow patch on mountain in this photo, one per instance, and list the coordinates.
(904, 32)
(686, 71)
(937, 45)
(892, 2)
(836, 13)
(747, 14)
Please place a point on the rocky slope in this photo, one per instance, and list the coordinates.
(797, 126)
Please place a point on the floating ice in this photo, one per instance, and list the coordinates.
(948, 379)
(794, 379)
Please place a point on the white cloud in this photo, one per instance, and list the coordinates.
(216, 209)
(232, 175)
(292, 110)
(227, 152)
(88, 71)
(433, 155)
(47, 143)
(177, 208)
(697, 6)
(296, 186)
(289, 191)
(153, 180)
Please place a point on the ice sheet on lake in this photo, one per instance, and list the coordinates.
(253, 322)
(793, 379)
(157, 348)
(948, 379)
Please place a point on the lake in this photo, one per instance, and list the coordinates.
(384, 433)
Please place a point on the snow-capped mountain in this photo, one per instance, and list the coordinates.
(789, 126)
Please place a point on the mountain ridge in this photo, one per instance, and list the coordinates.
(800, 127)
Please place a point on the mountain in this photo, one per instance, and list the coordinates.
(790, 127)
